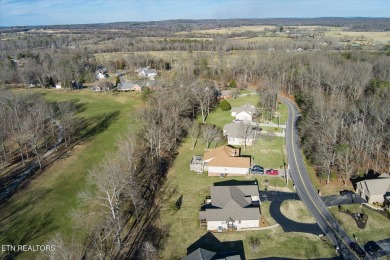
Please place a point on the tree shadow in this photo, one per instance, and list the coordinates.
(370, 174)
(235, 183)
(89, 127)
(20, 226)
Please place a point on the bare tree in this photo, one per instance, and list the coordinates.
(149, 251)
(209, 133)
(110, 181)
(203, 92)
(246, 132)
(66, 111)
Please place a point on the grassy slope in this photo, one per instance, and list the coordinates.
(374, 229)
(44, 207)
(183, 225)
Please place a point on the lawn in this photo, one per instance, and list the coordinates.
(374, 229)
(297, 211)
(44, 207)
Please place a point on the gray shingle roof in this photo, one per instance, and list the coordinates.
(126, 86)
(247, 108)
(237, 130)
(200, 254)
(233, 202)
(377, 186)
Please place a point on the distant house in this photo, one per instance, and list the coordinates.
(226, 94)
(146, 72)
(101, 73)
(226, 160)
(374, 190)
(239, 134)
(128, 86)
(231, 208)
(58, 86)
(245, 112)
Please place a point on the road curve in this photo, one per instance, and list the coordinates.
(305, 189)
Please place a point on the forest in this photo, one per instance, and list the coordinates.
(343, 95)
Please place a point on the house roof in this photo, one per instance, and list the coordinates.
(239, 130)
(126, 86)
(233, 203)
(378, 186)
(203, 254)
(200, 254)
(226, 156)
(226, 93)
(150, 71)
(249, 108)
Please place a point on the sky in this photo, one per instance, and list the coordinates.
(55, 12)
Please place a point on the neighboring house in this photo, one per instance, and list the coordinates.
(226, 94)
(127, 86)
(245, 112)
(146, 72)
(374, 190)
(101, 73)
(232, 208)
(58, 86)
(204, 254)
(226, 160)
(239, 134)
(209, 247)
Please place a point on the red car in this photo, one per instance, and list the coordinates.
(272, 172)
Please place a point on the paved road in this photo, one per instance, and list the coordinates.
(306, 190)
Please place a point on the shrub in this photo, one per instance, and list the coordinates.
(224, 105)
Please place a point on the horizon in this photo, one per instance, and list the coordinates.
(183, 19)
(19, 13)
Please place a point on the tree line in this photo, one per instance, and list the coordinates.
(30, 125)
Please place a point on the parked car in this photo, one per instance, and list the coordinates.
(371, 247)
(272, 172)
(238, 121)
(256, 128)
(357, 249)
(347, 192)
(257, 169)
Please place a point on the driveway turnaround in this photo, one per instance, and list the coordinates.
(306, 190)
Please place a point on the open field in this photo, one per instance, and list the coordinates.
(44, 207)
(374, 230)
(228, 30)
(382, 37)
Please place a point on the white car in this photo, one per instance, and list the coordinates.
(238, 121)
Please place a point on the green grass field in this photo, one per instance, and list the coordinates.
(44, 207)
